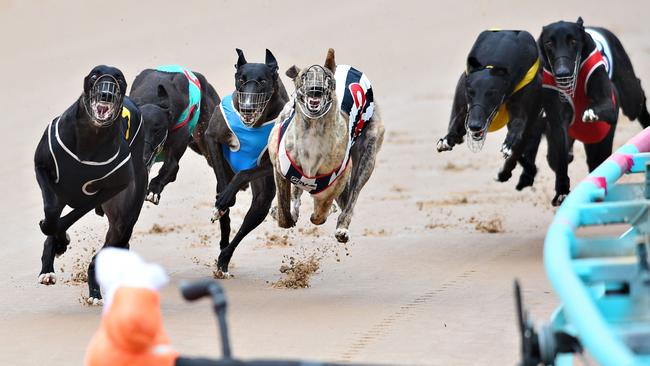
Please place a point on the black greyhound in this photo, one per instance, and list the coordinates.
(91, 157)
(237, 139)
(502, 86)
(173, 100)
(578, 65)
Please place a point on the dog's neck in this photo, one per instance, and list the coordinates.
(319, 143)
(90, 141)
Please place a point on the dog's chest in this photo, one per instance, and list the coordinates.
(318, 150)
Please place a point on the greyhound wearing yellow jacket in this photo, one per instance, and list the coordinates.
(502, 86)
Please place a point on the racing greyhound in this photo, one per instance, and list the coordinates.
(91, 157)
(173, 101)
(236, 143)
(327, 143)
(590, 72)
(502, 86)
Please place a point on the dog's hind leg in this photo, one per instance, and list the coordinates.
(167, 173)
(122, 211)
(263, 190)
(364, 157)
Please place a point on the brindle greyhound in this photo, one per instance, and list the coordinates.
(91, 157)
(502, 86)
(173, 100)
(238, 136)
(327, 143)
(578, 65)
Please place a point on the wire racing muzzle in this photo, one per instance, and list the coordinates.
(105, 100)
(567, 84)
(252, 105)
(476, 139)
(314, 95)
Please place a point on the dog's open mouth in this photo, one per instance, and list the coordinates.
(478, 135)
(314, 103)
(103, 111)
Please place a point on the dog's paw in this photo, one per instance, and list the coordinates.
(221, 275)
(93, 301)
(153, 198)
(342, 235)
(525, 180)
(558, 199)
(589, 116)
(503, 176)
(47, 278)
(217, 214)
(444, 145)
(506, 151)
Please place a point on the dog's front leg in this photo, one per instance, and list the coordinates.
(456, 130)
(227, 197)
(558, 145)
(54, 243)
(602, 106)
(283, 187)
(52, 207)
(167, 173)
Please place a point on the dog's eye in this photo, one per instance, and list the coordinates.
(548, 44)
(263, 82)
(573, 42)
(240, 80)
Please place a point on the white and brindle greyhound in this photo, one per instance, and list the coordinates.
(326, 144)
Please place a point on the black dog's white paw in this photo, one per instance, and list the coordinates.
(47, 278)
(443, 145)
(221, 275)
(558, 199)
(589, 116)
(93, 301)
(217, 213)
(153, 198)
(506, 151)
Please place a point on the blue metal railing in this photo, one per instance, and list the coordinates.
(581, 283)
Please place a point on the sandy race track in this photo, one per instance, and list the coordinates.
(423, 280)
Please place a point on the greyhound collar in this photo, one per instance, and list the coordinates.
(502, 116)
(292, 172)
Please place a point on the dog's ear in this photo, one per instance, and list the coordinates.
(271, 61)
(541, 49)
(330, 63)
(87, 83)
(241, 60)
(293, 72)
(580, 23)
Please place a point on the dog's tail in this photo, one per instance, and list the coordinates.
(631, 96)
